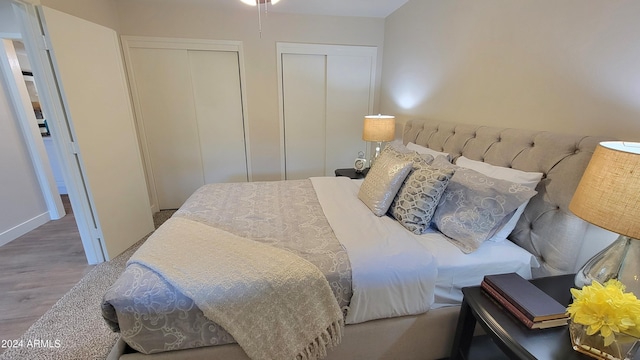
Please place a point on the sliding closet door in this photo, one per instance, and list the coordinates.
(188, 98)
(349, 89)
(326, 90)
(165, 96)
(218, 106)
(304, 83)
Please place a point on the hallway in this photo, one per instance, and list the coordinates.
(36, 269)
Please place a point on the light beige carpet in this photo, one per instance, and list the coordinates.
(73, 328)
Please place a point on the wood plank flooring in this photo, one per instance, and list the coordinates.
(36, 269)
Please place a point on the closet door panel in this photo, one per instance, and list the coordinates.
(304, 84)
(348, 94)
(165, 92)
(218, 106)
(325, 90)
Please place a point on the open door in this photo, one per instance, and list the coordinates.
(82, 80)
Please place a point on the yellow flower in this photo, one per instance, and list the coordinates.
(606, 309)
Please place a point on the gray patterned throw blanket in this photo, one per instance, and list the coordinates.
(153, 316)
(275, 304)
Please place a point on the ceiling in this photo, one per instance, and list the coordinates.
(365, 8)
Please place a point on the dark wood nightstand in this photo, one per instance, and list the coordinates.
(506, 333)
(351, 173)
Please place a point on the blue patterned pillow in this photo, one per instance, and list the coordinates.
(418, 197)
(474, 206)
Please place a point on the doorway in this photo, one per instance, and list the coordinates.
(93, 131)
(24, 149)
(26, 103)
(41, 120)
(46, 255)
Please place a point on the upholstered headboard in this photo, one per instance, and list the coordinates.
(547, 228)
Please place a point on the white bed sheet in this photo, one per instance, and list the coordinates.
(392, 274)
(455, 269)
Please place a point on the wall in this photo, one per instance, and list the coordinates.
(199, 20)
(102, 12)
(569, 66)
(22, 207)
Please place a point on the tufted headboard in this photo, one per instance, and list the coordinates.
(547, 228)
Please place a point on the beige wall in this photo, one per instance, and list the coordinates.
(569, 65)
(103, 12)
(200, 20)
(21, 200)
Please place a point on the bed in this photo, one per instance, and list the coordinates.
(323, 221)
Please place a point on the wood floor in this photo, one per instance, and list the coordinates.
(36, 269)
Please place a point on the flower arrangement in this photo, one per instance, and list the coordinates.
(606, 309)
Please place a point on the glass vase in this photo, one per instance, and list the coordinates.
(624, 347)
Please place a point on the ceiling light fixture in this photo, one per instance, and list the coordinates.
(254, 2)
(261, 4)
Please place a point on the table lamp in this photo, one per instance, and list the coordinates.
(378, 128)
(608, 196)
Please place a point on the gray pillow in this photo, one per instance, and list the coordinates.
(418, 197)
(474, 206)
(383, 180)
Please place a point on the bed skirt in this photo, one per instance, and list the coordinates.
(419, 337)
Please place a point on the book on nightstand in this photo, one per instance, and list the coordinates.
(532, 306)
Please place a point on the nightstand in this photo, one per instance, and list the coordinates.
(506, 337)
(351, 173)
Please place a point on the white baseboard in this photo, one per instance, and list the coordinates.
(25, 227)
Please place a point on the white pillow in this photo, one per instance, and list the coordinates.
(530, 179)
(425, 150)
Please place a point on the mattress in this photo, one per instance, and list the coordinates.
(153, 317)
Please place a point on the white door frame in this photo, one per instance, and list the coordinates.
(129, 42)
(63, 139)
(318, 49)
(26, 119)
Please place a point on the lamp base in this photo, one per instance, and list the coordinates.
(375, 156)
(620, 260)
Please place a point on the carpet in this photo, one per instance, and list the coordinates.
(73, 328)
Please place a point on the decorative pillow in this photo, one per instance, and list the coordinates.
(425, 150)
(418, 197)
(383, 180)
(399, 151)
(530, 179)
(474, 206)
